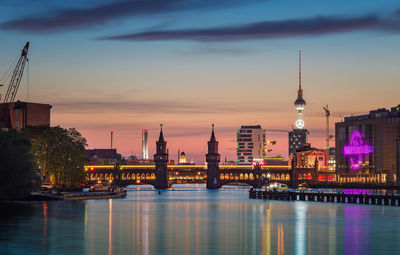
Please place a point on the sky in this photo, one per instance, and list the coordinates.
(131, 65)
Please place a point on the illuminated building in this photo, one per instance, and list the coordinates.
(331, 156)
(276, 161)
(367, 146)
(145, 144)
(298, 137)
(182, 158)
(307, 157)
(250, 144)
(26, 114)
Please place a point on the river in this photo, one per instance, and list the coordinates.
(192, 220)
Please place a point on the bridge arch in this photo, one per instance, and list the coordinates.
(251, 177)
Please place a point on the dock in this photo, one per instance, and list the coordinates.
(329, 197)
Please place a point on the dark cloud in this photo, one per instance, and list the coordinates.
(86, 17)
(78, 18)
(261, 30)
(153, 107)
(208, 50)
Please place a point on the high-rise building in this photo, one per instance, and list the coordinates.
(367, 146)
(298, 137)
(297, 140)
(250, 144)
(145, 144)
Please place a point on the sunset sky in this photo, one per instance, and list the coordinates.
(131, 65)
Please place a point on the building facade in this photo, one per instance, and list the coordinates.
(101, 156)
(250, 144)
(367, 146)
(24, 114)
(312, 157)
(297, 141)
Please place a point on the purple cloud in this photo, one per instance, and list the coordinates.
(87, 17)
(262, 30)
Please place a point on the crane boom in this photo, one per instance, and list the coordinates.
(327, 115)
(8, 102)
(16, 76)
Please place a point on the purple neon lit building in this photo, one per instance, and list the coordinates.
(367, 147)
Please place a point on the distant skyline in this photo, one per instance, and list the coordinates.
(131, 65)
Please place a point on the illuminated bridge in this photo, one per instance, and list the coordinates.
(162, 176)
(228, 174)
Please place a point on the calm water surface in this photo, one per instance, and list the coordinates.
(192, 220)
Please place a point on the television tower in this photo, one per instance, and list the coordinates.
(300, 103)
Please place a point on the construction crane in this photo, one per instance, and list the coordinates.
(327, 115)
(8, 102)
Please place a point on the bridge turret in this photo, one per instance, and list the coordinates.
(161, 160)
(213, 159)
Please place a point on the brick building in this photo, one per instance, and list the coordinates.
(24, 114)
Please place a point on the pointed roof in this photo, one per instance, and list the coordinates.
(212, 139)
(161, 138)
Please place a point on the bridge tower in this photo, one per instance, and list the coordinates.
(259, 180)
(213, 158)
(161, 159)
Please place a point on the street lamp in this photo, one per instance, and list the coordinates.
(268, 176)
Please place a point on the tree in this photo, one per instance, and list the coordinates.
(18, 172)
(61, 153)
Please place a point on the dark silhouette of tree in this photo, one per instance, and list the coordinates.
(19, 174)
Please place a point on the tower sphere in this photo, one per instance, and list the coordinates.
(300, 103)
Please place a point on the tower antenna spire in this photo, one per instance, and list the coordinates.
(299, 69)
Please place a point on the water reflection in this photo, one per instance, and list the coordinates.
(300, 209)
(193, 221)
(44, 242)
(110, 227)
(356, 233)
(281, 243)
